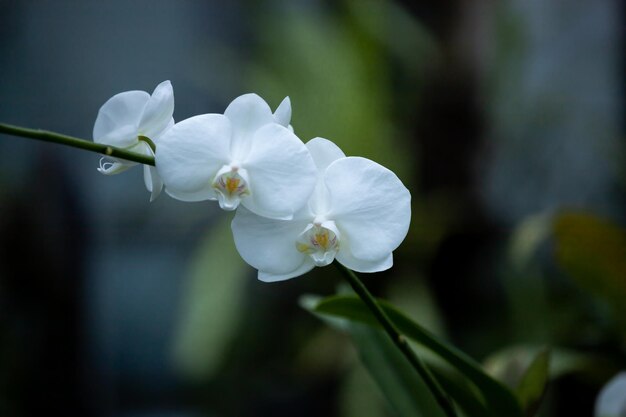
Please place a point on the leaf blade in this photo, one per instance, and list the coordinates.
(499, 399)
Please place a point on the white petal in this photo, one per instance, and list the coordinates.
(191, 152)
(324, 152)
(611, 402)
(282, 115)
(266, 244)
(153, 181)
(370, 205)
(282, 173)
(123, 137)
(246, 113)
(349, 261)
(158, 111)
(306, 266)
(206, 193)
(118, 119)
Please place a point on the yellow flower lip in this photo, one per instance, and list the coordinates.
(231, 186)
(319, 242)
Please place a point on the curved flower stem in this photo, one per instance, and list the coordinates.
(398, 339)
(88, 145)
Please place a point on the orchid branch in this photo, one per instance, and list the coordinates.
(54, 137)
(398, 339)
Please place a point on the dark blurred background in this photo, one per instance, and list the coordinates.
(504, 119)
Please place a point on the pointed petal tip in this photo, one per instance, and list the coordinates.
(282, 115)
(164, 84)
(154, 195)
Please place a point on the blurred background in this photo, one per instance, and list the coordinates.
(504, 119)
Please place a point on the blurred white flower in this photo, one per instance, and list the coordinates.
(358, 214)
(611, 401)
(246, 156)
(134, 121)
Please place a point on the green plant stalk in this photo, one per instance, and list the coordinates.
(88, 145)
(398, 339)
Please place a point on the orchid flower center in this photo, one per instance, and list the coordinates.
(231, 185)
(320, 241)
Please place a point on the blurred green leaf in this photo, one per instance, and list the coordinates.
(339, 82)
(211, 307)
(593, 252)
(403, 388)
(397, 31)
(534, 382)
(510, 364)
(401, 385)
(527, 237)
(464, 393)
(360, 396)
(499, 400)
(525, 284)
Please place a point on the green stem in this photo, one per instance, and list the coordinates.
(88, 145)
(398, 339)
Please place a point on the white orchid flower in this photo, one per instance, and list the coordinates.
(358, 214)
(246, 156)
(134, 121)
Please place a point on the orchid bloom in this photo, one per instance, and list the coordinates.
(358, 214)
(134, 121)
(245, 156)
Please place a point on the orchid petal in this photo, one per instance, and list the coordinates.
(157, 113)
(282, 115)
(121, 137)
(611, 401)
(246, 113)
(205, 193)
(370, 205)
(118, 118)
(282, 173)
(153, 181)
(359, 265)
(266, 244)
(306, 266)
(191, 152)
(151, 177)
(324, 152)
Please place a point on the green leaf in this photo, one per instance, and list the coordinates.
(593, 252)
(406, 392)
(498, 399)
(211, 308)
(532, 387)
(305, 53)
(463, 392)
(511, 364)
